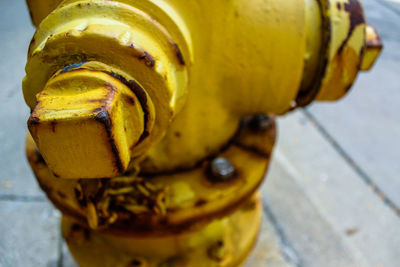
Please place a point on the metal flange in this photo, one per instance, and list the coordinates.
(164, 202)
(222, 242)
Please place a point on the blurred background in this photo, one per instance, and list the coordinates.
(332, 197)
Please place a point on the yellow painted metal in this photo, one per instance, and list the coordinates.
(201, 70)
(147, 94)
(373, 48)
(181, 219)
(159, 89)
(95, 108)
(256, 59)
(168, 201)
(39, 9)
(345, 50)
(314, 46)
(222, 242)
(147, 60)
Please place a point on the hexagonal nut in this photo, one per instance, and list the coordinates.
(85, 124)
(373, 48)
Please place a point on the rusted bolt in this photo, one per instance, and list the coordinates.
(260, 122)
(221, 169)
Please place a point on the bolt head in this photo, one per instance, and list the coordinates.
(260, 122)
(373, 48)
(222, 169)
(86, 133)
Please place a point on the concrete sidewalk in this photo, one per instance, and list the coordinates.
(332, 196)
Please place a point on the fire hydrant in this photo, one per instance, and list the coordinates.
(147, 125)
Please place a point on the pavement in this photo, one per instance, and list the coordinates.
(332, 195)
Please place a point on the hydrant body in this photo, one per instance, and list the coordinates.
(164, 93)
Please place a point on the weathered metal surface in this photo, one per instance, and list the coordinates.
(165, 201)
(349, 122)
(199, 162)
(154, 44)
(151, 65)
(225, 242)
(346, 48)
(221, 170)
(343, 44)
(107, 118)
(181, 64)
(373, 48)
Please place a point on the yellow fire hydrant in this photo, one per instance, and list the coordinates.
(147, 128)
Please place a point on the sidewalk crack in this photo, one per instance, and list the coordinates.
(288, 252)
(360, 172)
(11, 197)
(388, 6)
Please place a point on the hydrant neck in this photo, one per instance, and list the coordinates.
(127, 48)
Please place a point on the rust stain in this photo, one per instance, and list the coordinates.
(149, 60)
(61, 194)
(48, 190)
(33, 120)
(39, 157)
(345, 71)
(178, 54)
(96, 110)
(356, 16)
(234, 140)
(130, 100)
(307, 95)
(31, 43)
(143, 136)
(79, 195)
(132, 85)
(104, 118)
(136, 263)
(200, 202)
(149, 224)
(94, 100)
(219, 181)
(53, 125)
(142, 97)
(78, 233)
(253, 149)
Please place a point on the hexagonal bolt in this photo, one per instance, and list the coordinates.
(260, 122)
(221, 170)
(85, 124)
(373, 48)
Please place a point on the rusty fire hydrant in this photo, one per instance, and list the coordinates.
(147, 128)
